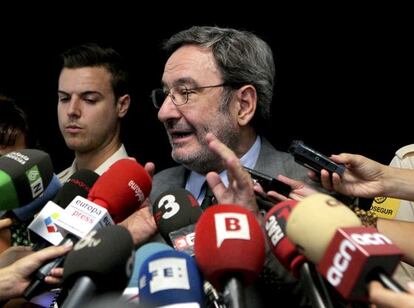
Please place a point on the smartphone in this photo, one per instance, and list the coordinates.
(312, 159)
(269, 183)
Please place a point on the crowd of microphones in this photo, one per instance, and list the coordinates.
(205, 258)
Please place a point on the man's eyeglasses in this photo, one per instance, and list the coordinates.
(179, 94)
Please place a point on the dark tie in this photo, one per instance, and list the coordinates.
(209, 198)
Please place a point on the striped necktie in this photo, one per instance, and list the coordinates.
(209, 198)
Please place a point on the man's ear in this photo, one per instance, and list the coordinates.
(123, 105)
(247, 99)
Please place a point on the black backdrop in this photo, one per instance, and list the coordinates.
(344, 75)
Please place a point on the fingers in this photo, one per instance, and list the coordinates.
(326, 180)
(275, 197)
(291, 182)
(234, 169)
(55, 276)
(216, 185)
(51, 252)
(5, 223)
(150, 168)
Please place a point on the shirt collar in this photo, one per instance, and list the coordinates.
(196, 180)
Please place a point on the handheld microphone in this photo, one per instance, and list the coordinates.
(130, 294)
(24, 175)
(43, 230)
(348, 255)
(176, 212)
(224, 233)
(170, 277)
(285, 251)
(79, 184)
(100, 262)
(27, 212)
(125, 183)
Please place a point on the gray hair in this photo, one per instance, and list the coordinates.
(241, 56)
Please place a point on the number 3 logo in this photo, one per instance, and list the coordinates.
(171, 207)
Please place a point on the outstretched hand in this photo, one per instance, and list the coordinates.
(362, 177)
(240, 189)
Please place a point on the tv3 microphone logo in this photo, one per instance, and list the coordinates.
(35, 181)
(231, 226)
(50, 226)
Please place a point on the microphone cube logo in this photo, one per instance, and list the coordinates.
(167, 273)
(35, 181)
(49, 223)
(231, 226)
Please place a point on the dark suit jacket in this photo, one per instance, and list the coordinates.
(281, 286)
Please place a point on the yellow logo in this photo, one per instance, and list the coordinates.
(385, 207)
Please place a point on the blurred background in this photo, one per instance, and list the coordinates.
(343, 74)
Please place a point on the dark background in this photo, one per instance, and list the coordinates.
(343, 84)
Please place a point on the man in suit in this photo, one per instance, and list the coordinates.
(220, 81)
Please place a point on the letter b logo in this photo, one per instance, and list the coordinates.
(231, 226)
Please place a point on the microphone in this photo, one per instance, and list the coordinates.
(130, 294)
(125, 183)
(98, 263)
(170, 277)
(285, 251)
(27, 212)
(24, 175)
(116, 193)
(79, 184)
(224, 234)
(176, 212)
(43, 230)
(348, 255)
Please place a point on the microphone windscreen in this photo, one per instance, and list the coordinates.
(79, 184)
(141, 255)
(229, 242)
(283, 249)
(104, 255)
(27, 212)
(122, 188)
(24, 175)
(175, 209)
(313, 222)
(170, 277)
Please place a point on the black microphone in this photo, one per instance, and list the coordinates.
(175, 212)
(100, 262)
(24, 175)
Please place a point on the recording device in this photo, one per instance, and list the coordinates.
(269, 183)
(24, 175)
(174, 210)
(289, 256)
(122, 188)
(99, 263)
(130, 294)
(347, 254)
(224, 233)
(170, 278)
(312, 159)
